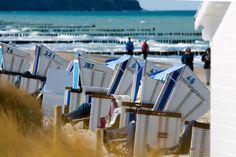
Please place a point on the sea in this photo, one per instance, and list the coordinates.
(163, 21)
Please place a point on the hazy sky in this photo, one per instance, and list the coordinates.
(169, 4)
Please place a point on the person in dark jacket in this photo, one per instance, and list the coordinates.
(187, 58)
(129, 47)
(206, 58)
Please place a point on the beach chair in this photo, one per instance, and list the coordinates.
(54, 89)
(100, 107)
(183, 92)
(15, 60)
(200, 143)
(156, 129)
(45, 59)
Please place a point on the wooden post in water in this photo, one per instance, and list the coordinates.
(57, 128)
(99, 142)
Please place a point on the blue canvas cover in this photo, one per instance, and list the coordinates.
(113, 62)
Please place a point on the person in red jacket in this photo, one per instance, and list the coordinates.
(145, 49)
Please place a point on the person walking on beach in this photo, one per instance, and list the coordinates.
(145, 49)
(206, 58)
(129, 47)
(187, 58)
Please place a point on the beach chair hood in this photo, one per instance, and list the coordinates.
(15, 60)
(45, 59)
(94, 76)
(118, 65)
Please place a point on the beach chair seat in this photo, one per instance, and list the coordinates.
(45, 59)
(157, 129)
(14, 59)
(54, 90)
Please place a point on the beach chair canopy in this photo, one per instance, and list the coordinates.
(125, 82)
(14, 60)
(94, 76)
(45, 59)
(117, 61)
(119, 65)
(54, 89)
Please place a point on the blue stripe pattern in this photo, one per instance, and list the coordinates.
(131, 116)
(168, 90)
(118, 78)
(38, 51)
(68, 98)
(76, 75)
(138, 79)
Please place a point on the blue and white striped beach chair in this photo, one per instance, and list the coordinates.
(45, 59)
(183, 92)
(14, 62)
(157, 129)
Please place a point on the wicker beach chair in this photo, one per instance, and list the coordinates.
(200, 144)
(157, 129)
(183, 92)
(15, 60)
(45, 59)
(14, 63)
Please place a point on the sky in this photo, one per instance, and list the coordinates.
(169, 4)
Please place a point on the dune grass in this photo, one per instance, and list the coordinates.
(21, 131)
